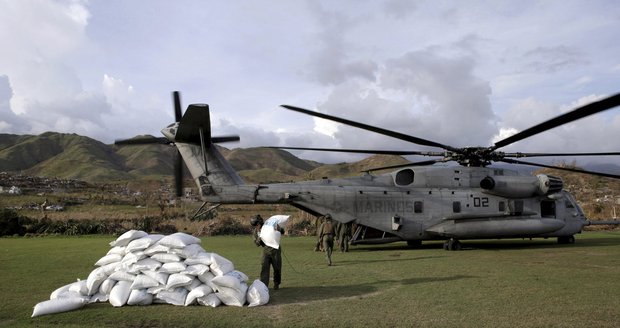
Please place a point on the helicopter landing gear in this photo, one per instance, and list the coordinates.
(414, 243)
(566, 240)
(452, 245)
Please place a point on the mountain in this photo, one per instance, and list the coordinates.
(354, 169)
(77, 157)
(61, 155)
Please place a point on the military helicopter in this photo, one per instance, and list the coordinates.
(415, 202)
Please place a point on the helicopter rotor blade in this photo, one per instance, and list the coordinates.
(581, 112)
(366, 151)
(519, 155)
(225, 139)
(176, 98)
(142, 141)
(389, 133)
(607, 175)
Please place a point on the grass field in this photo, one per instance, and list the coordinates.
(508, 283)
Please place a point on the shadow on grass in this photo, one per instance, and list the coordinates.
(498, 244)
(338, 261)
(300, 295)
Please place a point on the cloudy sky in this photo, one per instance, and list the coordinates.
(461, 73)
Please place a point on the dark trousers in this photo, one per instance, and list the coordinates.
(328, 245)
(271, 258)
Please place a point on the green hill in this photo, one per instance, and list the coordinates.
(77, 157)
(342, 170)
(277, 159)
(64, 156)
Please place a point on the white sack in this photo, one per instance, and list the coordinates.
(127, 237)
(200, 258)
(157, 248)
(139, 297)
(155, 290)
(195, 283)
(220, 265)
(178, 280)
(161, 277)
(143, 281)
(188, 251)
(99, 298)
(179, 240)
(79, 287)
(94, 280)
(110, 258)
(226, 281)
(238, 274)
(200, 291)
(268, 233)
(122, 276)
(142, 243)
(196, 269)
(58, 305)
(120, 293)
(258, 294)
(62, 289)
(206, 277)
(231, 296)
(106, 286)
(146, 264)
(108, 269)
(280, 220)
(131, 258)
(120, 250)
(174, 297)
(172, 267)
(165, 257)
(210, 299)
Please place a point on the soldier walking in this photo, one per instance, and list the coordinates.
(344, 236)
(326, 233)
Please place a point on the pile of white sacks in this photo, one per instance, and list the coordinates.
(141, 269)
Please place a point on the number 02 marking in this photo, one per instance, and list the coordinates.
(481, 202)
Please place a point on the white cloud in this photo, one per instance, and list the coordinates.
(456, 73)
(326, 127)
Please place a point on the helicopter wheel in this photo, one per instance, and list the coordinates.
(566, 240)
(414, 243)
(452, 245)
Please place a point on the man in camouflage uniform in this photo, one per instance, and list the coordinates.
(326, 233)
(344, 236)
(318, 223)
(270, 256)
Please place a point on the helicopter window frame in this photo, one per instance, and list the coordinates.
(404, 177)
(502, 206)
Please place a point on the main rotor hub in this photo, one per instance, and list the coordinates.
(475, 156)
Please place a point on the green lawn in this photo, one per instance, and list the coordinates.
(508, 283)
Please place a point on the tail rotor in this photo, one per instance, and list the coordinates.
(193, 127)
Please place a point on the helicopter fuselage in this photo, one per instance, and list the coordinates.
(412, 203)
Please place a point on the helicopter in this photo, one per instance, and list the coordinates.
(414, 202)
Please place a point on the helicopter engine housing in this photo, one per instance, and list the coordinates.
(519, 186)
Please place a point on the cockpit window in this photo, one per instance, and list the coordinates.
(404, 177)
(569, 204)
